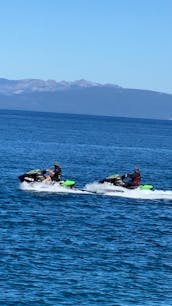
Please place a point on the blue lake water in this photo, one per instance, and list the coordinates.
(75, 248)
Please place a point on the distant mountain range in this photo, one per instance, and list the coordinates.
(84, 97)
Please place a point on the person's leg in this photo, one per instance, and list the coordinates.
(47, 179)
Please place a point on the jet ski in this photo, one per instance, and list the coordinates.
(118, 180)
(37, 175)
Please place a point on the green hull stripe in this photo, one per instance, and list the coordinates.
(68, 183)
(146, 187)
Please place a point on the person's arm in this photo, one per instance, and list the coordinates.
(130, 175)
(51, 172)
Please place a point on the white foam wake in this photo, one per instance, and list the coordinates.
(99, 189)
(48, 187)
(110, 190)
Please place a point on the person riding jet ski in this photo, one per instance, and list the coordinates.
(121, 180)
(39, 176)
(55, 174)
(135, 178)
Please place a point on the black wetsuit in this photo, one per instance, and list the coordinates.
(57, 174)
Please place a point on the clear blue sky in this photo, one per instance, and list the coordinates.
(126, 42)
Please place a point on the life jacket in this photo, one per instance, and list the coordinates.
(137, 180)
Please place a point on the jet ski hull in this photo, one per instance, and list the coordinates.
(117, 181)
(38, 176)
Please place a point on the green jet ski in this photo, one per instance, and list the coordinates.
(38, 175)
(117, 180)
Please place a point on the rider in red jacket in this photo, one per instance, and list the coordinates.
(135, 178)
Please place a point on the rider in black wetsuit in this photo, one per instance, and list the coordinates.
(55, 174)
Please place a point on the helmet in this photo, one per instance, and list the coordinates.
(56, 164)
